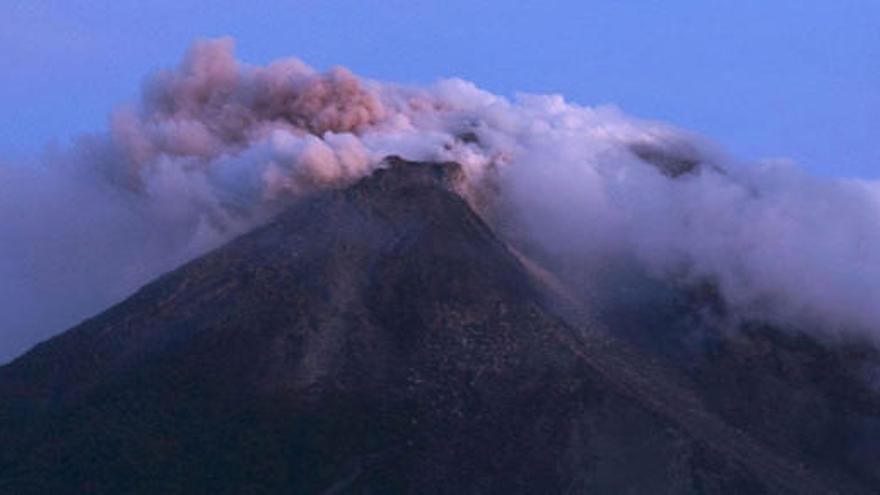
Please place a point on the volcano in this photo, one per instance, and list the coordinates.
(378, 338)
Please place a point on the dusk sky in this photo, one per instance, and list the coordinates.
(763, 79)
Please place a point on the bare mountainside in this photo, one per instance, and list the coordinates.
(374, 339)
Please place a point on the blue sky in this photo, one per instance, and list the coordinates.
(780, 78)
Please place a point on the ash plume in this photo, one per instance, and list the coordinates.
(218, 146)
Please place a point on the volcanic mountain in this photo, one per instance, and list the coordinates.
(378, 338)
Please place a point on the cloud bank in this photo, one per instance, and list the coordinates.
(217, 146)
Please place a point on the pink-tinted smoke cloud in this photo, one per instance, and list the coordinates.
(217, 146)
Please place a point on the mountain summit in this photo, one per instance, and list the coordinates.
(374, 339)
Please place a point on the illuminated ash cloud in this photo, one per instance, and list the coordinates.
(218, 146)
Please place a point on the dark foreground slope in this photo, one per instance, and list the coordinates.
(377, 339)
(790, 387)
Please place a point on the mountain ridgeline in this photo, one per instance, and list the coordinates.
(382, 338)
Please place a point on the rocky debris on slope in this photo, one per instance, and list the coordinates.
(375, 339)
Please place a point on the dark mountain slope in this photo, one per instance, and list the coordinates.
(809, 396)
(789, 387)
(377, 339)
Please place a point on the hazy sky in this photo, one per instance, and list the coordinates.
(779, 78)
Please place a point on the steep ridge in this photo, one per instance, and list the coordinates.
(796, 391)
(373, 339)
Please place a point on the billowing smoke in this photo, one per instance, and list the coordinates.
(217, 146)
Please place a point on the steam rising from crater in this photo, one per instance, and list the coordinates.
(218, 146)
